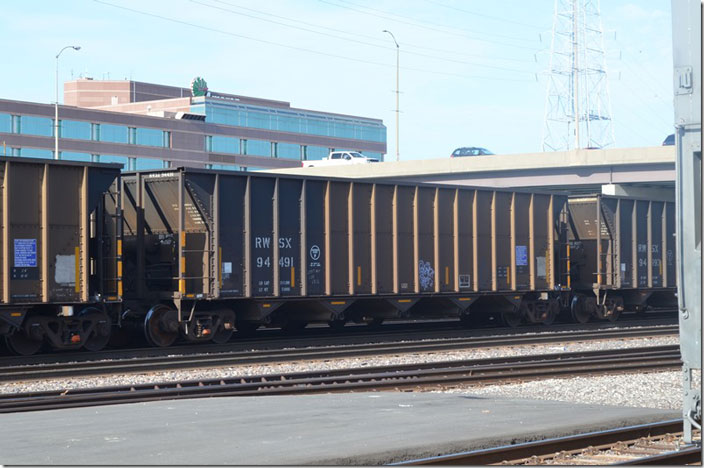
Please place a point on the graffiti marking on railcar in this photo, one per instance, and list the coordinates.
(426, 275)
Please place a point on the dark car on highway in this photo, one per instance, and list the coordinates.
(470, 151)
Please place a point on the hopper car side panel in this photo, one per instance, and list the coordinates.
(61, 259)
(622, 251)
(278, 240)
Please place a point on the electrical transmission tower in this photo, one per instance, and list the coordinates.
(577, 105)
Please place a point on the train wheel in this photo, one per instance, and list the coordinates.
(582, 309)
(100, 334)
(551, 313)
(18, 343)
(337, 324)
(511, 317)
(161, 326)
(225, 329)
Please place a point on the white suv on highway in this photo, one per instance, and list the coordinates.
(336, 158)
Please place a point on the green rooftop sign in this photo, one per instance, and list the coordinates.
(199, 87)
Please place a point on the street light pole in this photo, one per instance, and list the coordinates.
(398, 49)
(56, 103)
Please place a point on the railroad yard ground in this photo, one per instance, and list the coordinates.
(344, 428)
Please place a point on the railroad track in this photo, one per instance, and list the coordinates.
(131, 363)
(647, 444)
(408, 376)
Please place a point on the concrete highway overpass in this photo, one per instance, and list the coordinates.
(648, 171)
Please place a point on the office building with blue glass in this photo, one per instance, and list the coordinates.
(148, 126)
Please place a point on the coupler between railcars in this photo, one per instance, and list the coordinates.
(65, 327)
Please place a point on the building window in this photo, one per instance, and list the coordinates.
(243, 147)
(114, 133)
(259, 148)
(149, 137)
(209, 143)
(166, 139)
(35, 153)
(16, 152)
(31, 125)
(107, 158)
(274, 149)
(142, 164)
(70, 156)
(75, 130)
(16, 124)
(5, 123)
(223, 167)
(288, 151)
(95, 158)
(221, 144)
(132, 136)
(314, 153)
(95, 132)
(166, 164)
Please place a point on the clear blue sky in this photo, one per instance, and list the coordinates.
(473, 72)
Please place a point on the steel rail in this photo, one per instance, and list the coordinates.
(448, 373)
(258, 356)
(533, 452)
(685, 456)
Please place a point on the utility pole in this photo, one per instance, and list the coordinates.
(56, 104)
(398, 158)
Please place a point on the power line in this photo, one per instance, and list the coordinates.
(300, 49)
(480, 33)
(462, 62)
(495, 18)
(417, 24)
(406, 45)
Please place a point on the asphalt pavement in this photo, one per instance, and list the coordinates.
(358, 428)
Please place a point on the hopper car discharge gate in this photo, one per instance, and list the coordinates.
(60, 252)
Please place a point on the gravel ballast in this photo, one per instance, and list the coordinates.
(656, 390)
(662, 390)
